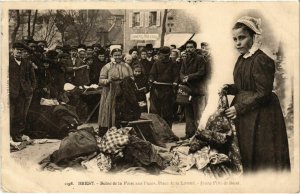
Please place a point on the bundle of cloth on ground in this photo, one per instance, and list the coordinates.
(212, 151)
(55, 121)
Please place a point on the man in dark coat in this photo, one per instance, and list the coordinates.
(22, 82)
(75, 70)
(205, 52)
(193, 73)
(149, 49)
(96, 66)
(163, 76)
(57, 72)
(65, 61)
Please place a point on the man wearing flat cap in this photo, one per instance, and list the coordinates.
(163, 76)
(77, 71)
(22, 82)
(193, 73)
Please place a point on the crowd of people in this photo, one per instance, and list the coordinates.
(127, 79)
(36, 72)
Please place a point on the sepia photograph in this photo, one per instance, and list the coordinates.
(150, 97)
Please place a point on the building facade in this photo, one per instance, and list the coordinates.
(145, 27)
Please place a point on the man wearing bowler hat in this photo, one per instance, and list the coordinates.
(163, 76)
(22, 82)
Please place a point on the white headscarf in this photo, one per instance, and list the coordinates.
(255, 25)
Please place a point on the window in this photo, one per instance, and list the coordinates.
(144, 18)
(136, 19)
(152, 18)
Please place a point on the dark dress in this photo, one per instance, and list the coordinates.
(260, 124)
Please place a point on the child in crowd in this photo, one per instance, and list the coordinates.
(142, 87)
(128, 60)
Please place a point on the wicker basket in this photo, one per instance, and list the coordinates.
(183, 95)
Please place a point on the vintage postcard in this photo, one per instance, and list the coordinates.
(150, 97)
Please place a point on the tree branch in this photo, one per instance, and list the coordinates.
(15, 31)
(28, 23)
(34, 22)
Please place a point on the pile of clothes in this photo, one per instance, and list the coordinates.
(212, 151)
(52, 121)
(117, 150)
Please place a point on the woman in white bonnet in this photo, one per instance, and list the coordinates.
(255, 108)
(111, 76)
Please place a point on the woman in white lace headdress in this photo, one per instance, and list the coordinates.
(256, 109)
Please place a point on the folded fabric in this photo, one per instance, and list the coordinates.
(202, 158)
(100, 163)
(48, 102)
(182, 149)
(182, 159)
(114, 140)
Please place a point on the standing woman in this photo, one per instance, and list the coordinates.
(256, 109)
(111, 76)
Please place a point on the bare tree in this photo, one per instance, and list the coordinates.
(16, 28)
(28, 22)
(85, 21)
(48, 30)
(63, 21)
(34, 22)
(163, 29)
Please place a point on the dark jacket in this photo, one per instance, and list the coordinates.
(21, 78)
(67, 66)
(95, 69)
(195, 68)
(146, 65)
(164, 71)
(77, 77)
